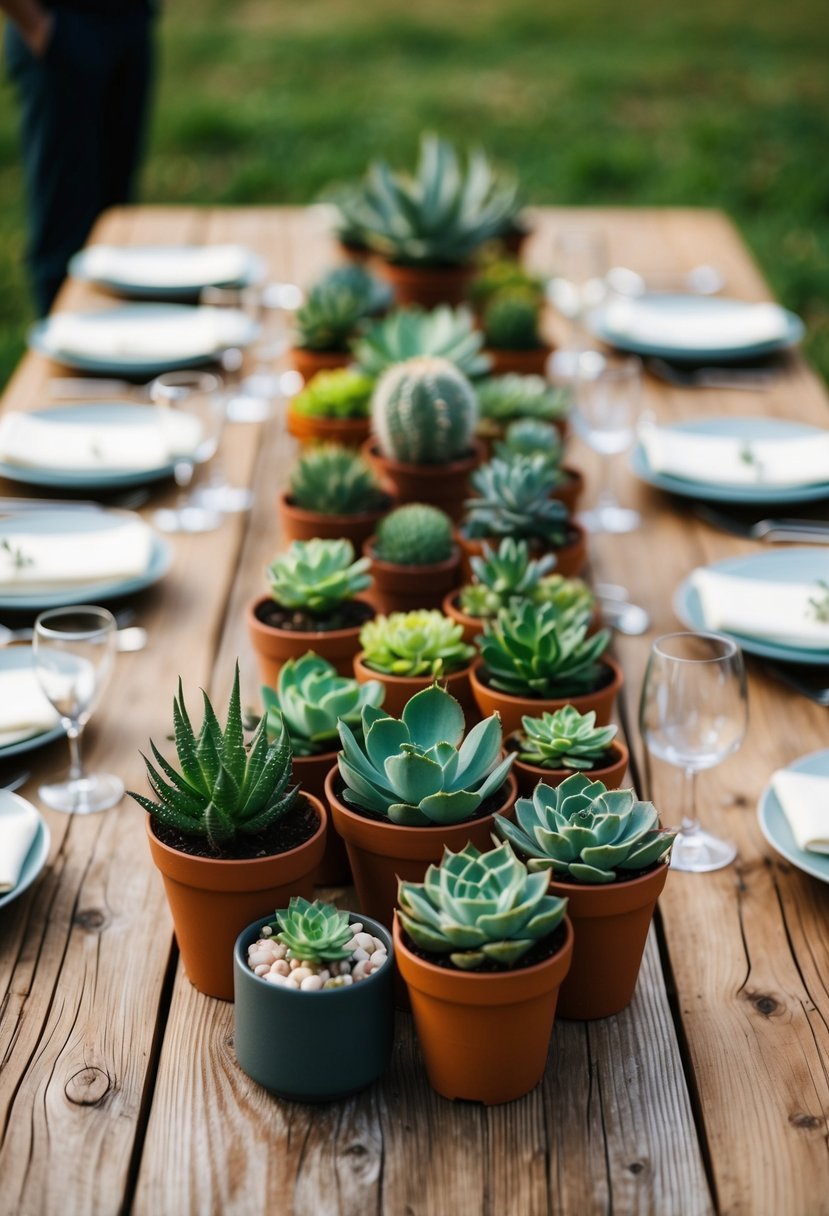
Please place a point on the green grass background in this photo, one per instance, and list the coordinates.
(703, 102)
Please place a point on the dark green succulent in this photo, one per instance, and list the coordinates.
(334, 480)
(446, 333)
(341, 392)
(502, 576)
(511, 322)
(565, 739)
(502, 276)
(329, 317)
(512, 498)
(415, 535)
(531, 650)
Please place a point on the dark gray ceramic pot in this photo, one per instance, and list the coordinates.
(313, 1046)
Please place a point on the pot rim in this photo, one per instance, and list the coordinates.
(660, 868)
(511, 699)
(444, 567)
(399, 681)
(467, 267)
(451, 469)
(617, 744)
(294, 634)
(511, 351)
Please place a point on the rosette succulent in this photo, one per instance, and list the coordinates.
(512, 498)
(419, 643)
(415, 535)
(479, 908)
(564, 739)
(329, 317)
(531, 437)
(316, 576)
(419, 770)
(531, 650)
(314, 932)
(334, 480)
(570, 596)
(311, 698)
(443, 332)
(341, 392)
(502, 575)
(585, 832)
(502, 399)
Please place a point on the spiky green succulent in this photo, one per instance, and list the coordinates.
(329, 317)
(503, 575)
(446, 333)
(512, 498)
(479, 908)
(334, 480)
(565, 739)
(511, 322)
(415, 535)
(585, 832)
(221, 789)
(310, 698)
(419, 643)
(502, 399)
(419, 770)
(531, 437)
(341, 392)
(424, 412)
(313, 932)
(317, 575)
(531, 650)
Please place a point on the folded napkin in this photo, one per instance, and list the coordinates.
(129, 334)
(18, 827)
(40, 560)
(49, 443)
(24, 707)
(187, 266)
(698, 327)
(805, 802)
(775, 611)
(801, 460)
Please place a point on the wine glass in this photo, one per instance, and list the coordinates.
(74, 649)
(608, 402)
(577, 285)
(266, 305)
(693, 713)
(197, 394)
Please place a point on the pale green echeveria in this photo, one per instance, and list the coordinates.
(310, 698)
(583, 831)
(314, 932)
(478, 908)
(565, 739)
(419, 770)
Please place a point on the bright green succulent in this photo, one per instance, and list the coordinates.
(531, 650)
(329, 317)
(419, 770)
(222, 789)
(424, 412)
(511, 322)
(585, 832)
(571, 597)
(503, 575)
(419, 643)
(314, 932)
(512, 498)
(531, 437)
(565, 739)
(415, 535)
(310, 699)
(341, 392)
(334, 480)
(447, 333)
(505, 276)
(502, 399)
(479, 908)
(317, 575)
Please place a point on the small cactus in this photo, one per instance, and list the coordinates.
(415, 535)
(424, 411)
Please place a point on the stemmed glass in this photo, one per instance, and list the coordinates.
(199, 395)
(693, 713)
(577, 285)
(608, 401)
(74, 649)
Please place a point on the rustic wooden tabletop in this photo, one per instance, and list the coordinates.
(119, 1089)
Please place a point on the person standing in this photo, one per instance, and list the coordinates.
(82, 70)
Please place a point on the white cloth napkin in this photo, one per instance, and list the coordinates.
(178, 266)
(804, 798)
(18, 828)
(727, 460)
(31, 560)
(775, 611)
(50, 443)
(132, 335)
(24, 707)
(696, 328)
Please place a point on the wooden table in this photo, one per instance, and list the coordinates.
(119, 1088)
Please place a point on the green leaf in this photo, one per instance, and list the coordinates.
(413, 775)
(447, 808)
(434, 716)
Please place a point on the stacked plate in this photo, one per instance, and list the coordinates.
(167, 272)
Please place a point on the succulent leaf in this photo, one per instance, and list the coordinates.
(419, 643)
(318, 575)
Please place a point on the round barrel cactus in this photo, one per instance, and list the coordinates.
(424, 411)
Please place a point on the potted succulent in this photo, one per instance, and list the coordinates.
(322, 978)
(228, 834)
(309, 700)
(498, 576)
(414, 559)
(534, 437)
(313, 605)
(606, 854)
(333, 407)
(445, 333)
(406, 651)
(483, 948)
(553, 746)
(512, 397)
(423, 415)
(325, 324)
(536, 659)
(333, 492)
(411, 785)
(512, 335)
(514, 498)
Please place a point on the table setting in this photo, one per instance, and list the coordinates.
(24, 845)
(167, 272)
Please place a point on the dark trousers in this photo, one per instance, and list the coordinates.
(83, 114)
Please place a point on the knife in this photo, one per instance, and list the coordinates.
(814, 531)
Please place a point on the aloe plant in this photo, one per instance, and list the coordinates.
(316, 576)
(424, 412)
(444, 332)
(334, 480)
(311, 698)
(479, 908)
(419, 769)
(419, 643)
(531, 650)
(585, 832)
(415, 535)
(565, 739)
(512, 498)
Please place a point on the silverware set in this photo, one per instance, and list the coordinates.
(771, 531)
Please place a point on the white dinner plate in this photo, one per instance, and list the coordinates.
(775, 826)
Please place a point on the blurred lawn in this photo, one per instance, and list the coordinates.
(725, 104)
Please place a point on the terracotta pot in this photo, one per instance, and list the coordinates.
(298, 524)
(529, 775)
(439, 485)
(381, 851)
(349, 432)
(309, 362)
(211, 900)
(524, 362)
(570, 491)
(484, 1035)
(428, 285)
(275, 646)
(400, 689)
(473, 626)
(512, 709)
(310, 773)
(570, 558)
(611, 922)
(354, 251)
(403, 588)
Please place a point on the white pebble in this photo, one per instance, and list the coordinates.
(273, 977)
(379, 944)
(294, 963)
(346, 980)
(279, 951)
(378, 958)
(356, 927)
(267, 931)
(290, 982)
(365, 941)
(301, 973)
(325, 975)
(360, 955)
(257, 956)
(311, 983)
(280, 967)
(361, 969)
(352, 944)
(262, 969)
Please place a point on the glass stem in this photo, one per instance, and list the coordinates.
(73, 734)
(690, 823)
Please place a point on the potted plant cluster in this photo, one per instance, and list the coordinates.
(534, 437)
(608, 857)
(550, 748)
(333, 407)
(333, 494)
(510, 302)
(228, 833)
(414, 557)
(406, 651)
(514, 397)
(443, 332)
(313, 1001)
(334, 309)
